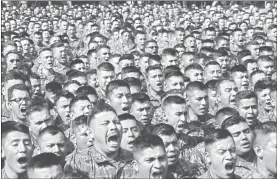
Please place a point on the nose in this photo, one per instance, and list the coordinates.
(86, 110)
(157, 164)
(56, 149)
(21, 147)
(124, 99)
(130, 133)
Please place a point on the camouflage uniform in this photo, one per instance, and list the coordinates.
(59, 68)
(182, 169)
(54, 76)
(244, 168)
(93, 164)
(208, 175)
(197, 156)
(255, 174)
(264, 116)
(158, 116)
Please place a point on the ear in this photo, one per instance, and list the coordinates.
(108, 102)
(4, 91)
(2, 151)
(207, 157)
(135, 165)
(9, 106)
(258, 150)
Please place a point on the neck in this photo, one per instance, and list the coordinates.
(109, 156)
(249, 156)
(14, 118)
(262, 170)
(154, 93)
(11, 174)
(192, 116)
(46, 71)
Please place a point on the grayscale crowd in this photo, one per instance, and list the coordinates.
(139, 91)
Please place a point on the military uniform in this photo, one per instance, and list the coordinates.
(4, 174)
(207, 175)
(93, 164)
(264, 116)
(182, 169)
(197, 156)
(255, 174)
(244, 168)
(59, 68)
(53, 76)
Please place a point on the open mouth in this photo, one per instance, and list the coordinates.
(131, 142)
(22, 160)
(113, 139)
(230, 166)
(246, 145)
(159, 84)
(126, 108)
(23, 110)
(245, 85)
(157, 174)
(232, 101)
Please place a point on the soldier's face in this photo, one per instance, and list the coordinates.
(141, 111)
(241, 80)
(130, 132)
(155, 79)
(175, 115)
(222, 157)
(248, 109)
(264, 98)
(105, 77)
(18, 150)
(175, 82)
(243, 137)
(172, 148)
(227, 94)
(120, 99)
(107, 132)
(155, 168)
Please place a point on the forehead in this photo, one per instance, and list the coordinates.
(49, 138)
(226, 84)
(169, 138)
(13, 56)
(105, 115)
(120, 90)
(16, 135)
(46, 53)
(238, 127)
(63, 100)
(20, 93)
(152, 72)
(82, 103)
(223, 143)
(128, 123)
(152, 152)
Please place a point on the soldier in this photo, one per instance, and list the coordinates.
(107, 133)
(220, 154)
(17, 149)
(265, 139)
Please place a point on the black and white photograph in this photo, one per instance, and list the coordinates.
(138, 89)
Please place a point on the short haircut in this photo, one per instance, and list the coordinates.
(262, 131)
(251, 43)
(249, 61)
(56, 45)
(173, 99)
(193, 66)
(75, 62)
(34, 76)
(81, 97)
(115, 84)
(261, 85)
(99, 108)
(127, 57)
(126, 116)
(133, 82)
(86, 90)
(265, 49)
(20, 87)
(129, 69)
(257, 72)
(53, 130)
(44, 160)
(162, 129)
(79, 121)
(53, 87)
(224, 113)
(242, 54)
(232, 120)
(195, 85)
(12, 126)
(173, 74)
(76, 74)
(238, 68)
(169, 52)
(67, 83)
(13, 75)
(220, 53)
(140, 98)
(37, 105)
(264, 58)
(211, 84)
(171, 68)
(151, 68)
(220, 82)
(211, 63)
(105, 66)
(247, 94)
(63, 94)
(146, 141)
(215, 135)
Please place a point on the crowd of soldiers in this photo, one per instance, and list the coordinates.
(139, 91)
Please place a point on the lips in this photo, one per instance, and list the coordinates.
(125, 108)
(157, 174)
(23, 110)
(230, 167)
(233, 101)
(245, 144)
(22, 161)
(113, 140)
